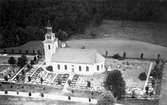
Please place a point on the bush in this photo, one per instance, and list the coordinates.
(42, 95)
(117, 56)
(12, 61)
(29, 94)
(6, 92)
(49, 68)
(143, 76)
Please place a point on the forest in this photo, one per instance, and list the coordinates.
(25, 20)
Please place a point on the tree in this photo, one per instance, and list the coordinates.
(41, 80)
(106, 54)
(141, 56)
(12, 61)
(157, 71)
(29, 78)
(158, 56)
(147, 89)
(17, 78)
(143, 76)
(116, 56)
(49, 68)
(22, 61)
(88, 84)
(106, 98)
(124, 55)
(115, 83)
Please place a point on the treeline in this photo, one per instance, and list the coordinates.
(24, 20)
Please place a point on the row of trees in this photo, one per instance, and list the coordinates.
(21, 61)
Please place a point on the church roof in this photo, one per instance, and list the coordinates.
(78, 56)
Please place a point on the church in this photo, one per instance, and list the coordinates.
(71, 60)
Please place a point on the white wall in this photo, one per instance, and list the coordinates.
(75, 68)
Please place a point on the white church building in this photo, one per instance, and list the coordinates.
(71, 60)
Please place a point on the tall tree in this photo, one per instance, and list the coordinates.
(115, 83)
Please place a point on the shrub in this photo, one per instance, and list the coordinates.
(49, 68)
(143, 76)
(6, 92)
(29, 94)
(116, 56)
(42, 95)
(12, 61)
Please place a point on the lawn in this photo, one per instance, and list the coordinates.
(113, 46)
(129, 30)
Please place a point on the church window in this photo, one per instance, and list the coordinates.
(65, 67)
(49, 47)
(87, 68)
(97, 67)
(58, 67)
(80, 68)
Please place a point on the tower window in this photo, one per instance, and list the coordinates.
(102, 66)
(65, 67)
(58, 67)
(49, 47)
(80, 68)
(87, 68)
(97, 67)
(48, 37)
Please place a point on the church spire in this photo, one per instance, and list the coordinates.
(49, 27)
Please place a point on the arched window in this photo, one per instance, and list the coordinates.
(80, 68)
(87, 68)
(49, 47)
(58, 67)
(97, 67)
(65, 67)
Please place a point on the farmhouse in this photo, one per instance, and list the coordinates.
(71, 60)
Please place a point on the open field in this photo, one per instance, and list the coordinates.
(129, 30)
(131, 47)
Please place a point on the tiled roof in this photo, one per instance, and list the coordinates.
(79, 56)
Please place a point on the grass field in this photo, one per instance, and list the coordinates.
(130, 30)
(132, 48)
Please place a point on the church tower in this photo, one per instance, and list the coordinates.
(50, 44)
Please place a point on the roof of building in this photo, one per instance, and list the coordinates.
(79, 56)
